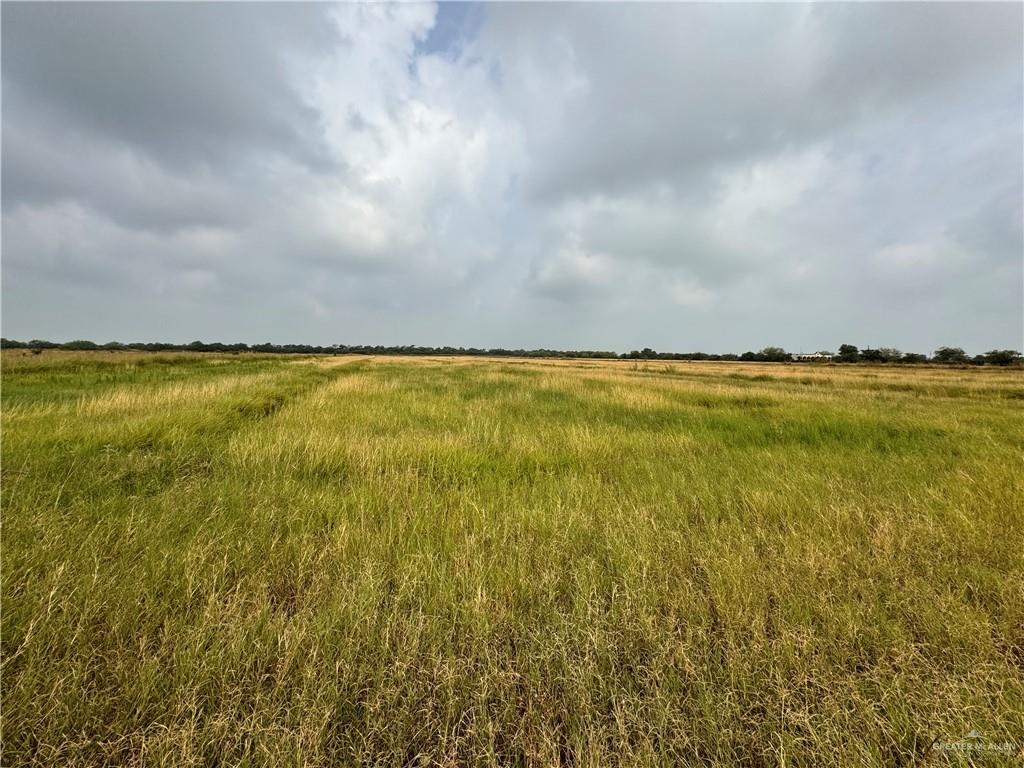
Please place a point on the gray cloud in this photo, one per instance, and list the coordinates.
(189, 83)
(733, 176)
(693, 87)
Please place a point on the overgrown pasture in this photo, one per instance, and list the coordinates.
(248, 560)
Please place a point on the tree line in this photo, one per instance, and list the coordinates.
(847, 353)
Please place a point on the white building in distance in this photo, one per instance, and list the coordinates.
(809, 356)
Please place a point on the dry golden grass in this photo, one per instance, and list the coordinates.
(433, 561)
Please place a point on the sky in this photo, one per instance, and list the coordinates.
(575, 176)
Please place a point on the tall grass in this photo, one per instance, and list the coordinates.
(467, 562)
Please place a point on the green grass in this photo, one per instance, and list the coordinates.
(276, 561)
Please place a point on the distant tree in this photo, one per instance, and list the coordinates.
(890, 355)
(848, 353)
(774, 355)
(872, 355)
(80, 344)
(913, 357)
(1001, 357)
(950, 355)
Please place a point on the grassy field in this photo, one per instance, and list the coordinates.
(400, 562)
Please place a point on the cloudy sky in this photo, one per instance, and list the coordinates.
(613, 176)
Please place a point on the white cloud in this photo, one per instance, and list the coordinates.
(335, 174)
(690, 293)
(574, 272)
